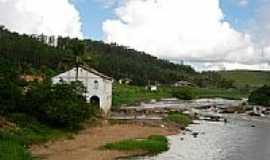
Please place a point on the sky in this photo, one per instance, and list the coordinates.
(207, 34)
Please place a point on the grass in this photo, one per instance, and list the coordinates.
(13, 141)
(179, 118)
(250, 78)
(129, 95)
(11, 149)
(152, 145)
(234, 94)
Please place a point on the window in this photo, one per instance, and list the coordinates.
(95, 84)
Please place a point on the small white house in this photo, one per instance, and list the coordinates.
(98, 85)
(152, 88)
(182, 84)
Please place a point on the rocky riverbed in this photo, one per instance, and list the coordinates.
(240, 137)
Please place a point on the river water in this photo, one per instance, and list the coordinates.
(240, 139)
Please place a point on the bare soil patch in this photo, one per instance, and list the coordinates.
(86, 145)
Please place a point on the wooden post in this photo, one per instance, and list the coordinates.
(77, 68)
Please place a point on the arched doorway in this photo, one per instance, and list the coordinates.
(95, 100)
(95, 105)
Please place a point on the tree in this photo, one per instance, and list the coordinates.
(60, 105)
(260, 96)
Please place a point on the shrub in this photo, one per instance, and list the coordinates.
(10, 95)
(60, 105)
(260, 96)
(184, 93)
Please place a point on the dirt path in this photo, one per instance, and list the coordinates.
(85, 145)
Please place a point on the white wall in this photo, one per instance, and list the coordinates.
(102, 89)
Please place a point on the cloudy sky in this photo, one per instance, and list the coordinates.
(208, 34)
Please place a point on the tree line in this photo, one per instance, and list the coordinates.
(119, 62)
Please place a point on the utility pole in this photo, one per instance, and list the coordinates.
(77, 68)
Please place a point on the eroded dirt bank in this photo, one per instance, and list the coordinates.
(86, 145)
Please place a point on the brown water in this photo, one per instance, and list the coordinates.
(236, 140)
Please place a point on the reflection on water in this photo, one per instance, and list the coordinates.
(237, 140)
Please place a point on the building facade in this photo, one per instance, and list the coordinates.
(98, 86)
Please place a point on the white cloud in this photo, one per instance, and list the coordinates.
(228, 66)
(243, 3)
(190, 30)
(51, 17)
(109, 3)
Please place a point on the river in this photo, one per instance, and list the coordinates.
(240, 139)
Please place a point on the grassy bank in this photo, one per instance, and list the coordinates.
(243, 78)
(14, 141)
(152, 145)
(129, 95)
(219, 93)
(179, 118)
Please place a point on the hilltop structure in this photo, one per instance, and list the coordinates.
(49, 40)
(98, 86)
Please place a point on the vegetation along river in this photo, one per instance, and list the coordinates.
(242, 138)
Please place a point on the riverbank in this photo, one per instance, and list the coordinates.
(87, 143)
(126, 95)
(242, 138)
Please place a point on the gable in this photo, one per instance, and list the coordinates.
(82, 74)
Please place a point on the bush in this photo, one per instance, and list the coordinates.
(184, 93)
(10, 95)
(260, 96)
(60, 105)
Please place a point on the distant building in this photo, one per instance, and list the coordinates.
(124, 81)
(182, 84)
(152, 88)
(49, 40)
(98, 85)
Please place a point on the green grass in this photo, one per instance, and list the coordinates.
(153, 145)
(12, 149)
(250, 78)
(179, 118)
(234, 94)
(129, 95)
(13, 142)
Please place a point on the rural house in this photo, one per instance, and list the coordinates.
(182, 84)
(98, 85)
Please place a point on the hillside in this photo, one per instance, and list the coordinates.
(32, 56)
(244, 77)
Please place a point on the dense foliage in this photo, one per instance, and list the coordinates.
(260, 96)
(60, 105)
(119, 62)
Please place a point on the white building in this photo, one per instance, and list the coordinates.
(99, 86)
(49, 40)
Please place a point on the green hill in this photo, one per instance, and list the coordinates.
(243, 78)
(34, 57)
